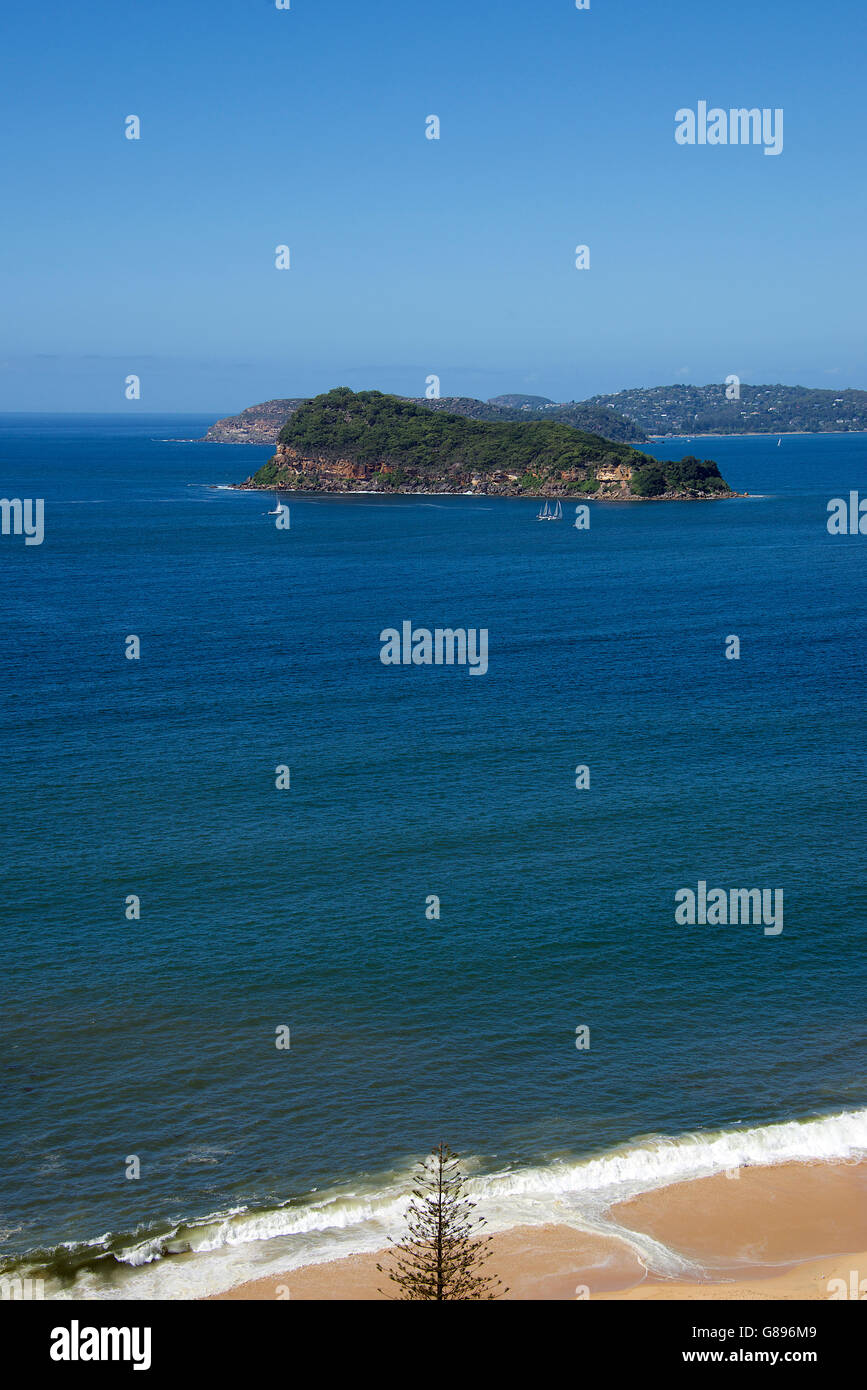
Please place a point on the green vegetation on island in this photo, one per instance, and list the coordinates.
(260, 424)
(360, 441)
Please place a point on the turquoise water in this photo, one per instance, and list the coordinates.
(306, 907)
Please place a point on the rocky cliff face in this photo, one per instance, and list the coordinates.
(258, 424)
(292, 466)
(292, 470)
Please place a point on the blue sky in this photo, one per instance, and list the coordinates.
(412, 256)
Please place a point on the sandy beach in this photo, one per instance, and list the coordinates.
(776, 1232)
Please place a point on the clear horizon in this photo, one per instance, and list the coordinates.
(134, 408)
(411, 256)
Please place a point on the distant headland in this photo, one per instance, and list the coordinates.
(698, 410)
(625, 417)
(365, 441)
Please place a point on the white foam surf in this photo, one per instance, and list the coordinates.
(239, 1244)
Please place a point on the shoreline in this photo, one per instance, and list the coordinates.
(276, 489)
(538, 1266)
(785, 1231)
(745, 434)
(699, 1214)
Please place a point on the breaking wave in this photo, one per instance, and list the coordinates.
(195, 1258)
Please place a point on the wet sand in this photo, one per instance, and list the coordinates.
(766, 1216)
(779, 1232)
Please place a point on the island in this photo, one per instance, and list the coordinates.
(366, 441)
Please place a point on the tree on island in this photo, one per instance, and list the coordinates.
(441, 1256)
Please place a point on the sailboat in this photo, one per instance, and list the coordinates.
(546, 514)
(277, 509)
(779, 442)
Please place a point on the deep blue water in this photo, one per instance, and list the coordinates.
(305, 906)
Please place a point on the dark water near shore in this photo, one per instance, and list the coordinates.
(306, 907)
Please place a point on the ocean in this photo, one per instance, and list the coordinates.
(148, 1044)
